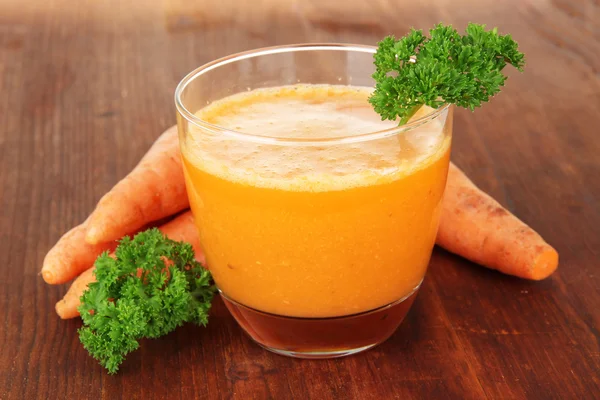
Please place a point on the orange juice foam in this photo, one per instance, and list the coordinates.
(314, 230)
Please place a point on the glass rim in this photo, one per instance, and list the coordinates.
(263, 51)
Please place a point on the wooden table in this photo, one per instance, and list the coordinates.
(85, 88)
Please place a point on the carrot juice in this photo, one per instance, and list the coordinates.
(301, 214)
(317, 230)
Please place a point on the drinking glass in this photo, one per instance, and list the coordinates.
(330, 264)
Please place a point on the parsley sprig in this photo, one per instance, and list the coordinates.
(151, 287)
(444, 68)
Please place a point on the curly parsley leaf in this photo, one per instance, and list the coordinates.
(445, 68)
(151, 287)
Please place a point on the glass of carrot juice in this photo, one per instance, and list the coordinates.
(316, 217)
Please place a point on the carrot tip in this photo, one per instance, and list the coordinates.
(546, 264)
(48, 276)
(64, 313)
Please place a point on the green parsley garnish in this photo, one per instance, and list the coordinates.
(444, 68)
(152, 286)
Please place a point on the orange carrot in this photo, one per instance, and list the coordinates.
(181, 228)
(154, 189)
(476, 227)
(67, 307)
(71, 255)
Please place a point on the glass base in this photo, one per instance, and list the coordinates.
(321, 338)
(318, 355)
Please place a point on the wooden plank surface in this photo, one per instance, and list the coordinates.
(85, 88)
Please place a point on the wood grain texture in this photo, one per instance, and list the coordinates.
(85, 88)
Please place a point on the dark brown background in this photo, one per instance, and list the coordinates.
(86, 86)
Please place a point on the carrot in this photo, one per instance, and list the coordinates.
(154, 189)
(478, 228)
(71, 255)
(181, 228)
(67, 307)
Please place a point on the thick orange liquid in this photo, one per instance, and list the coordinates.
(314, 231)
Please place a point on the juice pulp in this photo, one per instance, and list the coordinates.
(314, 230)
